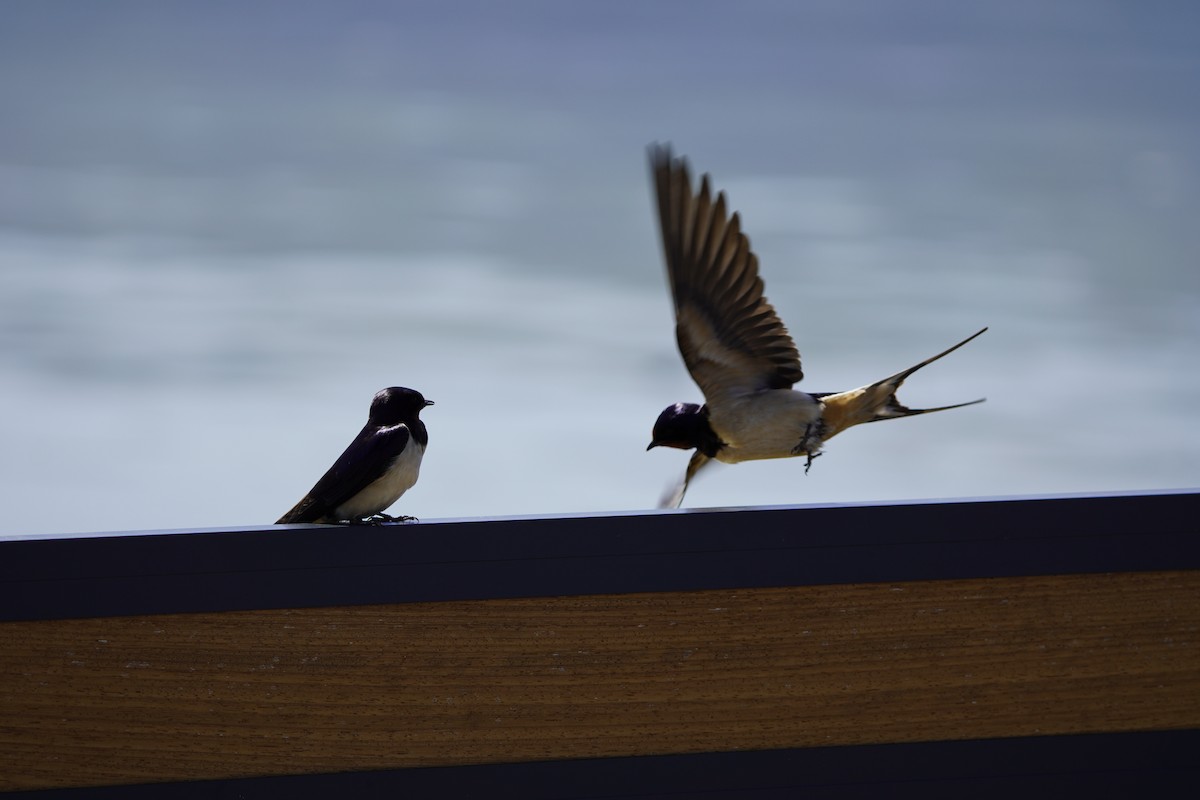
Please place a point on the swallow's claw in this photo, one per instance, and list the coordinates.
(802, 450)
(381, 518)
(809, 446)
(802, 447)
(388, 518)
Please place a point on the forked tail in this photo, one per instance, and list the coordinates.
(878, 401)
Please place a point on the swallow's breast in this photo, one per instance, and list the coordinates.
(397, 480)
(767, 424)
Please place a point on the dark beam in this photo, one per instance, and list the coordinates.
(285, 567)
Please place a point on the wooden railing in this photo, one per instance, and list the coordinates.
(993, 644)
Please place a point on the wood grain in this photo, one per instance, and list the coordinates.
(192, 696)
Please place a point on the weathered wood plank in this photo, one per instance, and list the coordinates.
(272, 692)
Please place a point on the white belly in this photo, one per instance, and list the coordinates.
(378, 496)
(769, 424)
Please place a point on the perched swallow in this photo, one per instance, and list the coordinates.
(381, 464)
(737, 349)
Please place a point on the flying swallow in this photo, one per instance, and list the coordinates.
(737, 349)
(381, 464)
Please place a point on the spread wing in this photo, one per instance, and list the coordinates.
(730, 337)
(673, 496)
(360, 465)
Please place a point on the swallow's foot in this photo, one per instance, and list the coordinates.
(388, 518)
(379, 519)
(801, 450)
(810, 446)
(802, 447)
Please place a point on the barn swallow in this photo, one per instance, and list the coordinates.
(381, 464)
(737, 349)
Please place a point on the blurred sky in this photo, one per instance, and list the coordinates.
(224, 226)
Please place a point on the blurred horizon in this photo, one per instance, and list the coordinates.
(224, 227)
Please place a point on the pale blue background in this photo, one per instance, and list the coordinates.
(224, 226)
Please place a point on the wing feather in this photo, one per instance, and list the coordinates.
(673, 496)
(731, 339)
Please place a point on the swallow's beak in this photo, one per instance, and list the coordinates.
(652, 445)
(428, 402)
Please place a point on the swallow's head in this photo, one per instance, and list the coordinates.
(683, 425)
(396, 404)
